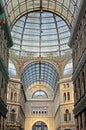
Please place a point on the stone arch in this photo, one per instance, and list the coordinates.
(46, 88)
(42, 120)
(36, 60)
(41, 65)
(29, 122)
(40, 124)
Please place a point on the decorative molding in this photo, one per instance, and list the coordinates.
(30, 57)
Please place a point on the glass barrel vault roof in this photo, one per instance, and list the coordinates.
(40, 33)
(39, 73)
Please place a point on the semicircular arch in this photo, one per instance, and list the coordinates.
(42, 120)
(39, 72)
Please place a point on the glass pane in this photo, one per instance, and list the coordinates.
(40, 33)
(42, 72)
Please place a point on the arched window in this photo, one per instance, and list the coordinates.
(39, 126)
(81, 122)
(67, 115)
(68, 96)
(11, 96)
(11, 69)
(83, 82)
(13, 116)
(85, 117)
(39, 94)
(64, 97)
(15, 96)
(79, 88)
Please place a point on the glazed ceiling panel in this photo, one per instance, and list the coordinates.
(40, 34)
(65, 8)
(41, 73)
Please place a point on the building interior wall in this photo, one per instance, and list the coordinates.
(79, 63)
(51, 111)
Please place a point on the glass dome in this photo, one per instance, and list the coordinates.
(40, 33)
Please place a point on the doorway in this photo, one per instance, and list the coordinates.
(39, 125)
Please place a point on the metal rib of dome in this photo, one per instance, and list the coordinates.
(40, 32)
(39, 73)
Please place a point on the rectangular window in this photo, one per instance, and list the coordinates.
(85, 118)
(81, 120)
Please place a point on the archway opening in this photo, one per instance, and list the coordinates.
(39, 125)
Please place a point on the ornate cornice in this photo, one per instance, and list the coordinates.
(30, 57)
(58, 62)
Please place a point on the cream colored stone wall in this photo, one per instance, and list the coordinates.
(16, 102)
(47, 120)
(65, 86)
(47, 89)
(56, 108)
(39, 103)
